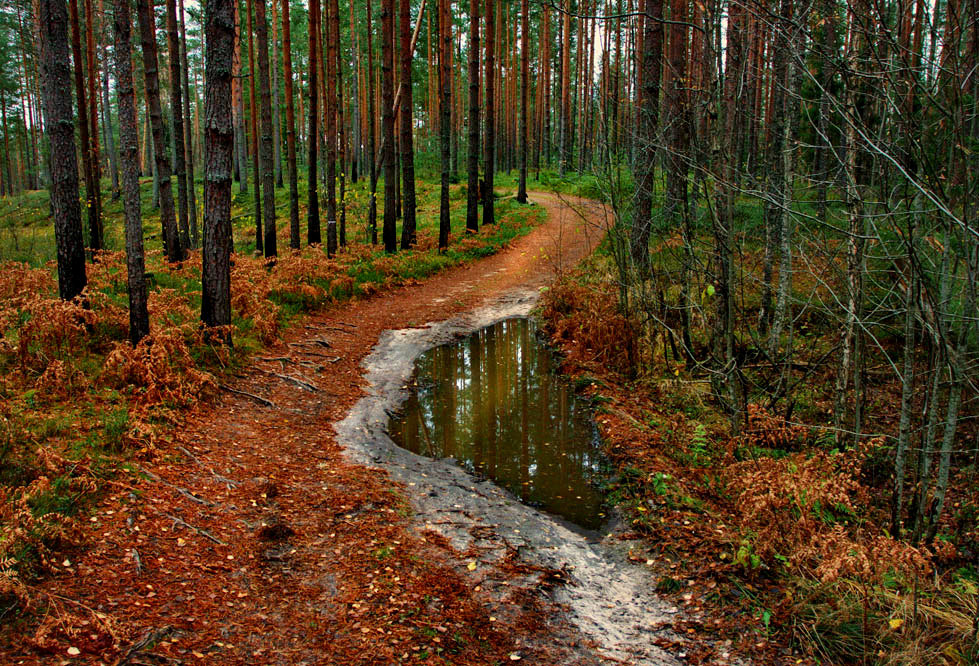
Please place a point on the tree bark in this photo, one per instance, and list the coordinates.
(445, 78)
(341, 132)
(219, 31)
(472, 201)
(371, 129)
(778, 200)
(63, 162)
(188, 134)
(93, 130)
(139, 319)
(238, 109)
(147, 32)
(907, 395)
(110, 143)
(387, 125)
(524, 84)
(290, 129)
(177, 111)
(407, 125)
(265, 147)
(276, 121)
(312, 194)
(330, 127)
(649, 122)
(489, 168)
(253, 112)
(565, 157)
(91, 187)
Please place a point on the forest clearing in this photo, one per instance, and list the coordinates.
(571, 332)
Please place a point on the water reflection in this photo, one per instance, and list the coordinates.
(494, 403)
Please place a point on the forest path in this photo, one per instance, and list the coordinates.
(258, 541)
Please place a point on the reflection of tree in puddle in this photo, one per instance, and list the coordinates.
(494, 402)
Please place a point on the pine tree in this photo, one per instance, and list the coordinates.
(91, 184)
(139, 319)
(63, 164)
(265, 146)
(445, 77)
(407, 127)
(524, 84)
(290, 129)
(312, 194)
(489, 216)
(388, 162)
(177, 113)
(147, 33)
(218, 146)
(472, 201)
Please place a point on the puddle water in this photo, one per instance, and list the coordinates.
(495, 403)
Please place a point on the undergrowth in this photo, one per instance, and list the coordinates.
(78, 403)
(782, 530)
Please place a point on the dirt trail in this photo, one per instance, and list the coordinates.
(260, 542)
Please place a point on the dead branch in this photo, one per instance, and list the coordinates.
(199, 530)
(257, 398)
(183, 491)
(217, 477)
(304, 385)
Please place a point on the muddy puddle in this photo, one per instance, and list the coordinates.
(608, 600)
(494, 403)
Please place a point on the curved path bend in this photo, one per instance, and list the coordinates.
(265, 540)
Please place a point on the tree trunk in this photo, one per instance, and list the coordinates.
(855, 251)
(779, 200)
(188, 134)
(726, 377)
(253, 112)
(110, 143)
(907, 395)
(827, 52)
(294, 242)
(652, 58)
(91, 187)
(177, 111)
(330, 127)
(372, 132)
(524, 83)
(265, 147)
(63, 162)
(489, 168)
(407, 125)
(139, 319)
(276, 122)
(445, 78)
(341, 131)
(677, 207)
(96, 231)
(387, 125)
(238, 109)
(565, 157)
(6, 182)
(312, 193)
(218, 143)
(472, 200)
(147, 32)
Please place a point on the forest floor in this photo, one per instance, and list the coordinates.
(256, 540)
